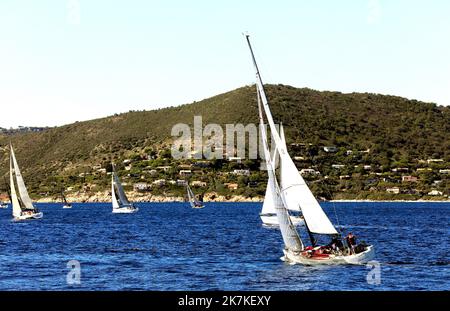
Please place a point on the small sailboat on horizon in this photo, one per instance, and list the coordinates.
(293, 192)
(120, 202)
(194, 203)
(66, 205)
(22, 206)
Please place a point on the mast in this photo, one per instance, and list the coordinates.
(16, 206)
(294, 190)
(290, 236)
(63, 197)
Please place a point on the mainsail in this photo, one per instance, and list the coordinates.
(16, 208)
(191, 197)
(290, 236)
(294, 190)
(119, 197)
(22, 201)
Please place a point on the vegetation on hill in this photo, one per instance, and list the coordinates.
(373, 135)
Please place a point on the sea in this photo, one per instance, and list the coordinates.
(170, 246)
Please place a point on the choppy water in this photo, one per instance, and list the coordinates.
(221, 247)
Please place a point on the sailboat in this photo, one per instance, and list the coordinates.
(66, 204)
(120, 202)
(268, 213)
(192, 199)
(292, 192)
(22, 207)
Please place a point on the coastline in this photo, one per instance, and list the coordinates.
(105, 197)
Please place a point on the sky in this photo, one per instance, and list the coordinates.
(63, 61)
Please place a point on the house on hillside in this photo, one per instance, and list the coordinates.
(185, 173)
(435, 193)
(409, 179)
(330, 149)
(309, 171)
(141, 186)
(235, 159)
(394, 190)
(159, 182)
(231, 186)
(241, 172)
(400, 169)
(198, 183)
(181, 182)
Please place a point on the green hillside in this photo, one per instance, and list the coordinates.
(394, 133)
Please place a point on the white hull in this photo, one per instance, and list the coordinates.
(356, 259)
(197, 207)
(272, 221)
(29, 217)
(67, 206)
(124, 210)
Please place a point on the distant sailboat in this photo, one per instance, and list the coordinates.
(293, 193)
(192, 200)
(66, 204)
(22, 207)
(268, 213)
(120, 202)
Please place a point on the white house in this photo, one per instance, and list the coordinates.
(330, 149)
(142, 186)
(394, 190)
(241, 172)
(159, 182)
(435, 193)
(309, 171)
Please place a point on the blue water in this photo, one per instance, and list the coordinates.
(221, 247)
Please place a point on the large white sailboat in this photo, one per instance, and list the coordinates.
(292, 193)
(22, 206)
(120, 203)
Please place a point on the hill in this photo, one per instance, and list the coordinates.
(394, 132)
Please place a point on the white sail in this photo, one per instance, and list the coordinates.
(190, 195)
(269, 198)
(297, 195)
(268, 204)
(122, 196)
(16, 209)
(290, 236)
(115, 203)
(294, 190)
(23, 193)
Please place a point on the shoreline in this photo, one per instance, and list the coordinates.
(234, 200)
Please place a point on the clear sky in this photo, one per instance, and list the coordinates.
(68, 60)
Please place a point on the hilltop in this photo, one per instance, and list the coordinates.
(376, 141)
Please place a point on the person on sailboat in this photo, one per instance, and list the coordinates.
(351, 242)
(336, 244)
